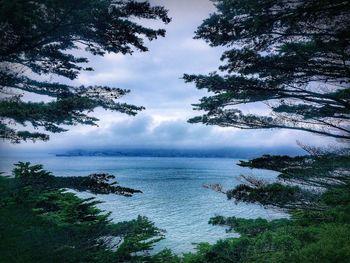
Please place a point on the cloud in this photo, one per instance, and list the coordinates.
(154, 79)
(195, 45)
(104, 78)
(146, 131)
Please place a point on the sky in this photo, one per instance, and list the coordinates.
(154, 79)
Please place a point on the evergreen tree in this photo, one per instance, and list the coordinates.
(314, 190)
(41, 222)
(293, 56)
(39, 38)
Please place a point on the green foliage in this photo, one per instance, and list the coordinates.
(309, 236)
(270, 194)
(303, 181)
(26, 170)
(281, 241)
(56, 226)
(39, 38)
(228, 250)
(319, 227)
(249, 227)
(291, 55)
(166, 256)
(51, 225)
(319, 170)
(139, 235)
(36, 176)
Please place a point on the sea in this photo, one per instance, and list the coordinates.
(174, 196)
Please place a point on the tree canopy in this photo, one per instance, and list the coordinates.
(49, 224)
(40, 38)
(98, 183)
(313, 189)
(293, 56)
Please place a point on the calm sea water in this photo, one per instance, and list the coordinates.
(173, 196)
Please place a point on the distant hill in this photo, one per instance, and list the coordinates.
(198, 153)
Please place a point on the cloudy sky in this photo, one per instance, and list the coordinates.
(154, 79)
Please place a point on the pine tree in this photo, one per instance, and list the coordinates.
(39, 38)
(293, 56)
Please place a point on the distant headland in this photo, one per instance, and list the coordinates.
(189, 153)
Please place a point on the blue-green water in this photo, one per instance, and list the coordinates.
(173, 196)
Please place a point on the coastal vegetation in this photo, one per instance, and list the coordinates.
(38, 39)
(42, 222)
(314, 190)
(293, 56)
